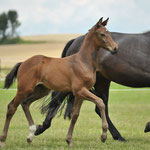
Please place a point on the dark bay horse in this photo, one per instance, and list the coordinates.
(131, 69)
(75, 73)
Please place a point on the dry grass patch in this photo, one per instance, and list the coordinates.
(11, 54)
(51, 37)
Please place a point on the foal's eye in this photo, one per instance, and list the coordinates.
(102, 35)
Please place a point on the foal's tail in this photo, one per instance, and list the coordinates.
(11, 76)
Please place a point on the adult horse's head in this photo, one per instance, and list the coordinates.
(102, 36)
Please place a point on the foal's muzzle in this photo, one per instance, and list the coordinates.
(114, 51)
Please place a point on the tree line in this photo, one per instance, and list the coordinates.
(8, 24)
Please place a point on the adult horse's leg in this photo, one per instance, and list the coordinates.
(102, 91)
(75, 114)
(52, 107)
(39, 92)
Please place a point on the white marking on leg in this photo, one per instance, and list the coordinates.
(32, 130)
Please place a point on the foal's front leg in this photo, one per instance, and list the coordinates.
(75, 114)
(86, 94)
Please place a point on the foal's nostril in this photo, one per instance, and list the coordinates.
(115, 51)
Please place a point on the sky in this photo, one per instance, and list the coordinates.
(40, 17)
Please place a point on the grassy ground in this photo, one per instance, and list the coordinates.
(128, 110)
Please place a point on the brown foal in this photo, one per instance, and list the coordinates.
(76, 73)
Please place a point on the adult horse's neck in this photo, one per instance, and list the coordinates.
(89, 52)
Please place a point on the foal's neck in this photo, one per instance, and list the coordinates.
(89, 52)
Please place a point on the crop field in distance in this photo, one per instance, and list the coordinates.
(129, 109)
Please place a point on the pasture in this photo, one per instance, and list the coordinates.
(128, 108)
(129, 111)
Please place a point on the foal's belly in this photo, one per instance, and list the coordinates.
(58, 87)
(55, 75)
(57, 82)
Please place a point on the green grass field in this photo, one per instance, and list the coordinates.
(129, 111)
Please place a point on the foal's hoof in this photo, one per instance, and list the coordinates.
(69, 143)
(103, 137)
(147, 128)
(2, 144)
(29, 140)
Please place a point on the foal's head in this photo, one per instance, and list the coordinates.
(102, 36)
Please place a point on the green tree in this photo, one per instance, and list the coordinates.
(3, 24)
(13, 18)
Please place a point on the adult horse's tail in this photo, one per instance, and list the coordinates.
(58, 102)
(11, 76)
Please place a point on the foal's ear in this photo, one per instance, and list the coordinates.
(100, 20)
(99, 23)
(104, 23)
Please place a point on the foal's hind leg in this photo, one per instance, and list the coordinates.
(32, 127)
(75, 114)
(39, 92)
(10, 112)
(12, 107)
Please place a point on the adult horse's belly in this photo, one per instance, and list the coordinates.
(126, 68)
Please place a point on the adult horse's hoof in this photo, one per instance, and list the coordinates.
(39, 130)
(120, 138)
(147, 128)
